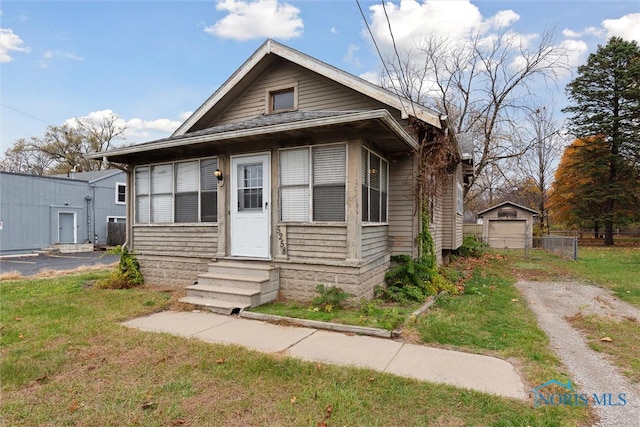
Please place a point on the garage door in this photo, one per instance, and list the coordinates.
(507, 233)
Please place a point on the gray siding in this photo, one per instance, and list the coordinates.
(375, 241)
(317, 242)
(176, 241)
(30, 209)
(315, 93)
(402, 209)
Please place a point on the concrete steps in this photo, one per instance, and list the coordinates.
(230, 286)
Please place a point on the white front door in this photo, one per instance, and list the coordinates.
(250, 198)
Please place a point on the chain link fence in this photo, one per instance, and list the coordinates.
(565, 247)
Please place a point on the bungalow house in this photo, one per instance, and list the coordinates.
(292, 174)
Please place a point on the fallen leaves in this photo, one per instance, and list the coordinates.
(327, 415)
(606, 339)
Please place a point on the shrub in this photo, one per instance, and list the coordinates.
(127, 274)
(329, 297)
(472, 247)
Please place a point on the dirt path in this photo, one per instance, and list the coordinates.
(552, 302)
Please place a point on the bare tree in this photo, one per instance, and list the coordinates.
(63, 148)
(539, 163)
(485, 86)
(24, 158)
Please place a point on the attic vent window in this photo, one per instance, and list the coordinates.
(282, 100)
(507, 213)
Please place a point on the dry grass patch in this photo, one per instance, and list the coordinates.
(619, 338)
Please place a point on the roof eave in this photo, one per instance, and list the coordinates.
(383, 115)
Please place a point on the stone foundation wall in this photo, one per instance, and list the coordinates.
(298, 281)
(171, 271)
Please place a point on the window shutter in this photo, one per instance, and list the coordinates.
(329, 175)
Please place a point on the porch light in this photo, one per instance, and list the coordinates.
(373, 171)
(218, 174)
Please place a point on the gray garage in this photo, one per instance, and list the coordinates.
(508, 225)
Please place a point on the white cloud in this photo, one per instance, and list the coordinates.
(627, 27)
(371, 77)
(334, 30)
(185, 115)
(49, 57)
(351, 56)
(136, 130)
(258, 19)
(502, 19)
(10, 42)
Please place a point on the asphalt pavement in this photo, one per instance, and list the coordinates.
(30, 265)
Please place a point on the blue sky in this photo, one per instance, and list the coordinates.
(154, 62)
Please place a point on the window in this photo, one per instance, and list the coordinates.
(507, 213)
(183, 192)
(375, 171)
(282, 99)
(312, 183)
(121, 193)
(460, 204)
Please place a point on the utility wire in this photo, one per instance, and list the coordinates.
(380, 54)
(403, 75)
(27, 114)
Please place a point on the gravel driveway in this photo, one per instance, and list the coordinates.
(552, 302)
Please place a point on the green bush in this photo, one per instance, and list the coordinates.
(127, 275)
(472, 247)
(329, 297)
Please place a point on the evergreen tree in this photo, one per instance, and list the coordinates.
(606, 109)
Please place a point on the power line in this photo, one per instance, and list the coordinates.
(380, 54)
(27, 114)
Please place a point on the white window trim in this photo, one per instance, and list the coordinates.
(123, 184)
(116, 217)
(281, 88)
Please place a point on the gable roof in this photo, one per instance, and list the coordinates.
(507, 203)
(266, 54)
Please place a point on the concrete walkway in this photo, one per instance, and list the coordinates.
(472, 371)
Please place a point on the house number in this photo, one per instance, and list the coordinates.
(283, 247)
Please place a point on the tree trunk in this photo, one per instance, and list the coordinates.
(608, 233)
(596, 230)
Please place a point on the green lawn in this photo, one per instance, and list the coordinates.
(66, 360)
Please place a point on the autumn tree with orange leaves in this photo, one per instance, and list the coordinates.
(580, 196)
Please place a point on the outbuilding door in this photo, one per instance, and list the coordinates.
(507, 233)
(250, 198)
(66, 227)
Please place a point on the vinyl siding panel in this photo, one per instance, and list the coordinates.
(374, 241)
(448, 212)
(402, 228)
(182, 241)
(315, 93)
(317, 242)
